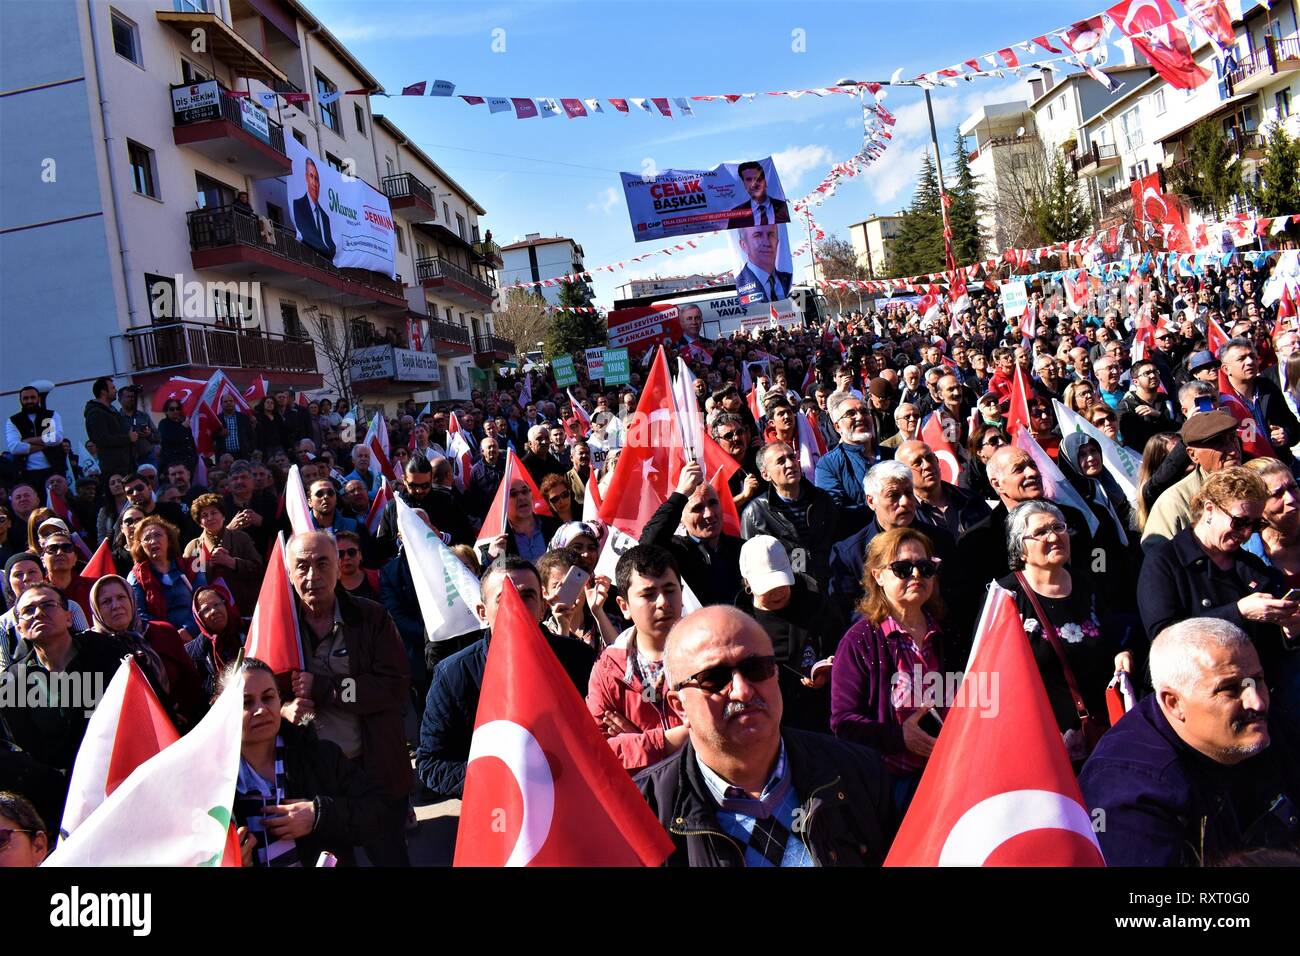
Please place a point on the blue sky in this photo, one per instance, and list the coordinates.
(560, 176)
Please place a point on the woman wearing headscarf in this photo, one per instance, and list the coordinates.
(220, 636)
(156, 645)
(1115, 541)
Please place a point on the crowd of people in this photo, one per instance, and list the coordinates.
(777, 725)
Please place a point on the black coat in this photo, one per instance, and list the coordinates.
(106, 427)
(764, 515)
(713, 578)
(1269, 397)
(848, 560)
(844, 794)
(176, 444)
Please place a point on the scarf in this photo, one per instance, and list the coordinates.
(152, 585)
(133, 638)
(252, 797)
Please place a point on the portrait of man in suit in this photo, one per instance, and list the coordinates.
(691, 319)
(760, 209)
(760, 280)
(312, 221)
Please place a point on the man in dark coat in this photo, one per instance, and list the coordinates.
(709, 560)
(106, 427)
(742, 791)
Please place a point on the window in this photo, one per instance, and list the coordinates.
(1132, 129)
(1159, 101)
(421, 250)
(161, 294)
(361, 118)
(190, 6)
(460, 227)
(446, 214)
(191, 74)
(275, 214)
(401, 243)
(126, 38)
(334, 162)
(388, 165)
(142, 169)
(327, 330)
(300, 137)
(228, 310)
(1283, 100)
(1049, 111)
(211, 193)
(292, 324)
(329, 112)
(451, 316)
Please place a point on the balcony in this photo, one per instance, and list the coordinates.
(454, 283)
(1091, 160)
(1117, 204)
(488, 252)
(239, 243)
(223, 44)
(449, 337)
(194, 345)
(492, 348)
(1263, 66)
(228, 129)
(995, 141)
(409, 198)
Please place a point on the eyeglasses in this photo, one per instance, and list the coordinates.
(715, 680)
(853, 413)
(994, 441)
(59, 549)
(904, 569)
(349, 552)
(7, 834)
(1242, 523)
(37, 607)
(323, 493)
(730, 436)
(1054, 529)
(418, 485)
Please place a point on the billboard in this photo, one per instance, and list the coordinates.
(681, 202)
(761, 263)
(339, 216)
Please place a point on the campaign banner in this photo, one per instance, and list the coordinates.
(595, 363)
(1015, 299)
(761, 263)
(412, 366)
(565, 373)
(374, 361)
(639, 328)
(197, 101)
(617, 368)
(341, 217)
(898, 300)
(681, 202)
(254, 120)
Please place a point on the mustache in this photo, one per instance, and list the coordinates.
(1250, 717)
(735, 708)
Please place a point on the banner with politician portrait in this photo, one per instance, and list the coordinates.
(761, 263)
(341, 217)
(681, 202)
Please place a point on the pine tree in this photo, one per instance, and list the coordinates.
(1278, 190)
(965, 207)
(1210, 177)
(570, 332)
(1059, 213)
(919, 245)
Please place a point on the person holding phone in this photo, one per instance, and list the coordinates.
(887, 660)
(575, 599)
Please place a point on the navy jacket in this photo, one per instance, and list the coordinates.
(848, 559)
(452, 704)
(1166, 804)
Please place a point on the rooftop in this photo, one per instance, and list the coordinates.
(536, 240)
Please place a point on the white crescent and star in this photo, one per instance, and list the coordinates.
(1133, 10)
(519, 750)
(995, 820)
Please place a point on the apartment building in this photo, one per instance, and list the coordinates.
(1006, 150)
(537, 257)
(872, 239)
(660, 285)
(145, 195)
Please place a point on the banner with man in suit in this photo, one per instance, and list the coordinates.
(682, 202)
(341, 217)
(762, 264)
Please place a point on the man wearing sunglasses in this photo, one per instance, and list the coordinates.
(742, 791)
(1212, 444)
(323, 500)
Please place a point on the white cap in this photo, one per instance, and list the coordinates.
(764, 564)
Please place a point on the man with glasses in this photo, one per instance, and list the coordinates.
(730, 432)
(1144, 411)
(1212, 445)
(323, 499)
(742, 791)
(1108, 373)
(841, 471)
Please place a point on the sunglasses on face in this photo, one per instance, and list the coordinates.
(59, 549)
(419, 485)
(715, 680)
(562, 496)
(349, 552)
(1244, 523)
(904, 569)
(730, 436)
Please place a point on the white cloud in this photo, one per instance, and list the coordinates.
(606, 201)
(894, 175)
(795, 162)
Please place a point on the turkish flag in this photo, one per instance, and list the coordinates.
(187, 391)
(1254, 441)
(542, 787)
(1084, 35)
(932, 433)
(99, 565)
(1215, 337)
(495, 521)
(1149, 24)
(273, 636)
(256, 391)
(998, 789)
(1018, 414)
(204, 424)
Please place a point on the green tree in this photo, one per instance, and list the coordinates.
(571, 331)
(1278, 191)
(837, 259)
(965, 207)
(919, 245)
(1210, 177)
(1058, 211)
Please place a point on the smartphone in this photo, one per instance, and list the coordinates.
(1292, 595)
(571, 587)
(930, 723)
(1205, 404)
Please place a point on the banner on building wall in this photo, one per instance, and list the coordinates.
(1160, 217)
(341, 217)
(198, 101)
(679, 202)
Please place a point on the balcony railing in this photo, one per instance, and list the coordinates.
(436, 267)
(229, 226)
(239, 111)
(487, 250)
(404, 185)
(1266, 60)
(448, 332)
(207, 346)
(493, 343)
(1093, 155)
(1003, 141)
(1116, 203)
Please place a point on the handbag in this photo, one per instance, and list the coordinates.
(1092, 727)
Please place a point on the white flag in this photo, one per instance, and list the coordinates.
(642, 102)
(683, 105)
(499, 104)
(174, 809)
(548, 107)
(447, 592)
(1055, 486)
(1122, 463)
(593, 105)
(295, 503)
(688, 411)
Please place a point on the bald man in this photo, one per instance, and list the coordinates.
(742, 791)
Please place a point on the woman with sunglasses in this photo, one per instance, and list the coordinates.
(24, 839)
(1076, 648)
(880, 669)
(228, 555)
(176, 440)
(162, 582)
(1278, 542)
(558, 494)
(984, 440)
(1042, 425)
(22, 570)
(1205, 571)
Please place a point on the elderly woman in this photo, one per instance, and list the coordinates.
(162, 583)
(156, 645)
(1080, 396)
(296, 795)
(22, 570)
(220, 636)
(231, 555)
(557, 493)
(1278, 542)
(880, 668)
(1077, 655)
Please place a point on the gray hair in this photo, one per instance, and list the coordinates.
(1195, 389)
(1018, 527)
(898, 412)
(835, 404)
(537, 431)
(724, 419)
(885, 473)
(1237, 343)
(1179, 656)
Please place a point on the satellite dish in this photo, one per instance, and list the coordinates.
(1020, 132)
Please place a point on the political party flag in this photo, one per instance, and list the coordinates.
(1254, 440)
(1018, 413)
(998, 789)
(524, 108)
(573, 108)
(1055, 486)
(383, 495)
(448, 593)
(542, 787)
(1122, 463)
(174, 809)
(591, 499)
(1215, 337)
(496, 521)
(273, 636)
(812, 444)
(100, 564)
(415, 89)
(498, 104)
(934, 435)
(128, 727)
(295, 503)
